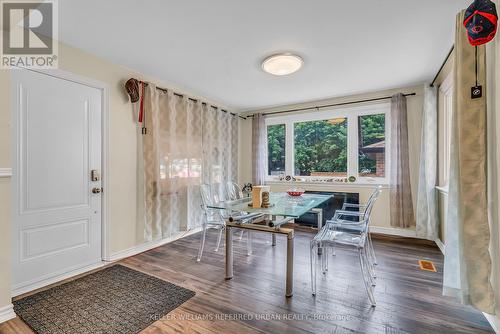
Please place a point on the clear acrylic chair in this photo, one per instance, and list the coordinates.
(362, 209)
(234, 191)
(340, 231)
(212, 218)
(216, 218)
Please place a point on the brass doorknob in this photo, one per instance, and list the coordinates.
(96, 190)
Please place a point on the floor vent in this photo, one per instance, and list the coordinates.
(427, 265)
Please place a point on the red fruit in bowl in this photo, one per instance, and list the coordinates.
(295, 192)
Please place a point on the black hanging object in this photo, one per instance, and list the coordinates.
(481, 20)
(476, 92)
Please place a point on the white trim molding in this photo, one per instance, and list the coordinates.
(400, 232)
(494, 321)
(7, 313)
(442, 190)
(440, 245)
(5, 172)
(148, 246)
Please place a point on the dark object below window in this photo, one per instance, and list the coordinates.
(329, 207)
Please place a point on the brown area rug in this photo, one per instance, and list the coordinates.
(114, 300)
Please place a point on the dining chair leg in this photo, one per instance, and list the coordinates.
(324, 259)
(249, 243)
(202, 242)
(368, 267)
(313, 257)
(366, 277)
(219, 239)
(372, 250)
(369, 260)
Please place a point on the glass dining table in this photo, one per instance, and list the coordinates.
(283, 209)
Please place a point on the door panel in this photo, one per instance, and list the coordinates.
(57, 142)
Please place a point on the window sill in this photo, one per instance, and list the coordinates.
(329, 184)
(442, 190)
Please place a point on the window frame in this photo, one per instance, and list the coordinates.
(446, 89)
(351, 114)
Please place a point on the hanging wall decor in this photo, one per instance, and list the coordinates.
(136, 90)
(481, 22)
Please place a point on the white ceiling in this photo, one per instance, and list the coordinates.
(214, 48)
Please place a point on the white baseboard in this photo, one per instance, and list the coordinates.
(440, 244)
(494, 322)
(400, 232)
(7, 313)
(147, 246)
(51, 279)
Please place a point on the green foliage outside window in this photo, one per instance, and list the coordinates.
(276, 149)
(372, 131)
(321, 147)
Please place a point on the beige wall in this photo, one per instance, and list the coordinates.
(124, 230)
(381, 212)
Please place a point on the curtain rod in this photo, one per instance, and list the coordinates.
(190, 98)
(442, 65)
(331, 105)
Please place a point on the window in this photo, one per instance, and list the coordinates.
(445, 110)
(371, 141)
(276, 149)
(330, 144)
(321, 148)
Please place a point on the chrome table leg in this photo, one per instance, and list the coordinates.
(289, 265)
(229, 252)
(319, 217)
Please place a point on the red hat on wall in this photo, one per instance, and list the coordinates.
(481, 21)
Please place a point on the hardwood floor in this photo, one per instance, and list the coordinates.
(409, 300)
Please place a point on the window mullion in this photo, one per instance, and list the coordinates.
(289, 150)
(352, 146)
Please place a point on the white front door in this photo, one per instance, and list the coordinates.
(57, 144)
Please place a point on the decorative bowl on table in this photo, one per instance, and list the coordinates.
(295, 192)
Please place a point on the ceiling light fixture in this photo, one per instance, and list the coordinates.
(282, 64)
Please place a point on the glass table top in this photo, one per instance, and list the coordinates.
(284, 204)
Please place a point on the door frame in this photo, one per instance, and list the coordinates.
(104, 88)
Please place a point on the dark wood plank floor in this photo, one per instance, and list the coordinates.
(409, 299)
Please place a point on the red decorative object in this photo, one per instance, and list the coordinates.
(141, 107)
(295, 192)
(481, 20)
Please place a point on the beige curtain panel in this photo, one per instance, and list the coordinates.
(427, 218)
(259, 149)
(401, 210)
(467, 266)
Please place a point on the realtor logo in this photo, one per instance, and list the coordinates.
(29, 34)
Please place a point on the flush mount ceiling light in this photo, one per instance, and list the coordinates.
(282, 64)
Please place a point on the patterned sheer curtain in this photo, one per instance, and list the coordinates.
(400, 190)
(220, 146)
(186, 143)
